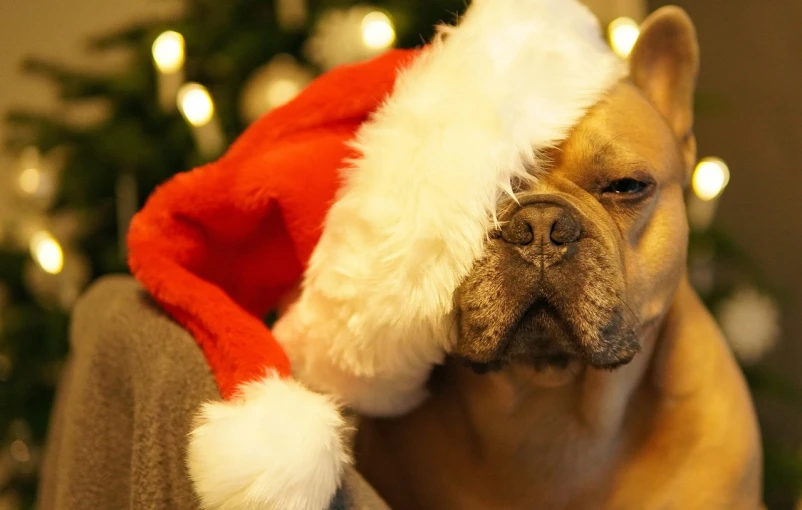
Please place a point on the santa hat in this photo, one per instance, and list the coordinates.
(375, 189)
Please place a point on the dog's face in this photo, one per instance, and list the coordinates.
(595, 248)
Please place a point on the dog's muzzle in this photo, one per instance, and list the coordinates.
(546, 291)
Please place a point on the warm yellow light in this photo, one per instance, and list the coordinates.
(710, 178)
(30, 179)
(168, 52)
(19, 451)
(47, 252)
(623, 33)
(281, 91)
(196, 104)
(377, 31)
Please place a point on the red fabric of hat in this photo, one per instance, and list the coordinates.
(219, 245)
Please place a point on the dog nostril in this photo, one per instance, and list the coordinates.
(565, 229)
(518, 231)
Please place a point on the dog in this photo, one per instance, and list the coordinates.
(587, 373)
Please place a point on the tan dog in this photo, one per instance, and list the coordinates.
(607, 384)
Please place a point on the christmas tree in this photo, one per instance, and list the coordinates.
(191, 86)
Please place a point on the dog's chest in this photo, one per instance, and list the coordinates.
(423, 461)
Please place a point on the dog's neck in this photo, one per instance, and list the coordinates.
(542, 404)
(504, 424)
(515, 416)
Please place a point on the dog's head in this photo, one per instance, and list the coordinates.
(595, 247)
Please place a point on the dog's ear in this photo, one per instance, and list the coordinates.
(664, 64)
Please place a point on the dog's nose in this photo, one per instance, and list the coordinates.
(542, 224)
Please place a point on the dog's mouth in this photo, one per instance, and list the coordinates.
(546, 338)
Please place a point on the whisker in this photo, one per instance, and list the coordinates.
(637, 319)
(634, 331)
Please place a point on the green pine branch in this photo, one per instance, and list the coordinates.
(135, 35)
(43, 130)
(75, 84)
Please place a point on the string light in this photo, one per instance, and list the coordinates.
(19, 451)
(196, 104)
(377, 31)
(30, 179)
(710, 178)
(623, 33)
(282, 91)
(47, 252)
(34, 180)
(168, 52)
(273, 85)
(197, 108)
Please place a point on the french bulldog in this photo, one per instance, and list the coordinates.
(587, 373)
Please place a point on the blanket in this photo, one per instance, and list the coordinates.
(124, 408)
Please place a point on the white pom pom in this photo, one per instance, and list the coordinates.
(277, 446)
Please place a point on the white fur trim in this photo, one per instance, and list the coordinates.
(277, 446)
(374, 395)
(466, 120)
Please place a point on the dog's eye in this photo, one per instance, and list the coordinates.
(626, 186)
